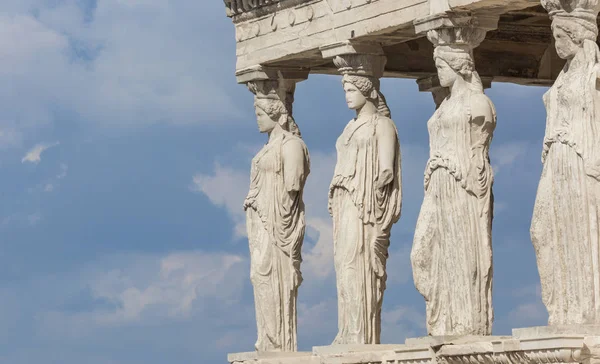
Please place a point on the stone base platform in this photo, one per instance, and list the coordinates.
(536, 345)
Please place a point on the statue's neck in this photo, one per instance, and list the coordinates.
(366, 111)
(275, 133)
(577, 62)
(459, 87)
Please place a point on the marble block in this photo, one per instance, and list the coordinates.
(272, 358)
(388, 353)
(535, 345)
(452, 339)
(553, 331)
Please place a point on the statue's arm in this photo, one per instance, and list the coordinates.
(294, 165)
(386, 143)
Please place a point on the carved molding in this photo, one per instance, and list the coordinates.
(541, 350)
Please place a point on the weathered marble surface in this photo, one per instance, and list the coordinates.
(452, 250)
(565, 224)
(275, 218)
(526, 346)
(272, 358)
(365, 199)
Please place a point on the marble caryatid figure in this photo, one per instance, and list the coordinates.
(275, 219)
(452, 249)
(565, 228)
(364, 200)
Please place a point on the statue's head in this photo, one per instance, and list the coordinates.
(270, 114)
(453, 54)
(361, 80)
(273, 102)
(574, 25)
(361, 90)
(452, 63)
(570, 34)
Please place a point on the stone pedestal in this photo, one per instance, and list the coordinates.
(535, 345)
(272, 358)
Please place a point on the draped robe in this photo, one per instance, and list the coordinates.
(565, 225)
(452, 249)
(275, 225)
(362, 219)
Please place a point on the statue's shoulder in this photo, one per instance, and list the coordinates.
(385, 124)
(293, 143)
(481, 105)
(290, 138)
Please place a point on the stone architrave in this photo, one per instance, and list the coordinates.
(452, 250)
(565, 227)
(275, 216)
(365, 199)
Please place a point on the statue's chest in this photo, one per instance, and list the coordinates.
(355, 136)
(266, 161)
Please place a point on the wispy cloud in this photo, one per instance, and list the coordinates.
(111, 53)
(530, 310)
(227, 188)
(158, 287)
(506, 154)
(34, 155)
(54, 182)
(402, 322)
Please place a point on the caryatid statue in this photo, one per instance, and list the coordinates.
(365, 199)
(275, 217)
(565, 228)
(452, 249)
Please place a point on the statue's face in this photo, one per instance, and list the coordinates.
(265, 123)
(354, 98)
(565, 47)
(446, 74)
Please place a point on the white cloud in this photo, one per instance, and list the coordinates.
(34, 218)
(173, 284)
(146, 289)
(225, 188)
(529, 314)
(398, 266)
(316, 318)
(182, 301)
(402, 322)
(530, 310)
(35, 154)
(505, 155)
(122, 63)
(318, 258)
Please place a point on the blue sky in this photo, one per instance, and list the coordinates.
(125, 145)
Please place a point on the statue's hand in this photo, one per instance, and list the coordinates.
(385, 177)
(593, 170)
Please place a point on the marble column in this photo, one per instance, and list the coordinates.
(452, 248)
(275, 208)
(565, 225)
(365, 195)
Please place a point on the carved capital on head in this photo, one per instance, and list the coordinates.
(580, 16)
(277, 90)
(577, 8)
(367, 65)
(456, 30)
(275, 85)
(459, 38)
